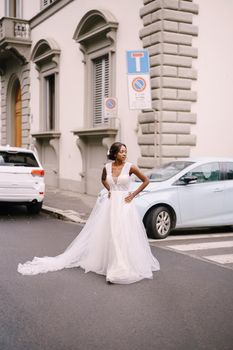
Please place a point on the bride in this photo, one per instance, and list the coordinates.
(113, 242)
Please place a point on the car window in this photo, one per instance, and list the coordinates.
(229, 171)
(8, 158)
(206, 172)
(166, 171)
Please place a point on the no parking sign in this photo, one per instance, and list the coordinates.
(138, 79)
(110, 107)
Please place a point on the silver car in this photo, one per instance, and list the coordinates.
(21, 178)
(187, 193)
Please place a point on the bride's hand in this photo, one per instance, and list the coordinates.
(129, 198)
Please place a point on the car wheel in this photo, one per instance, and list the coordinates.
(34, 208)
(159, 223)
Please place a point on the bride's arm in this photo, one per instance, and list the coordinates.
(104, 179)
(145, 181)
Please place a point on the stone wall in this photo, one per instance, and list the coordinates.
(168, 34)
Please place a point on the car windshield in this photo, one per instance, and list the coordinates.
(10, 158)
(166, 171)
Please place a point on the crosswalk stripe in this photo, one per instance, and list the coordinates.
(187, 237)
(222, 259)
(201, 246)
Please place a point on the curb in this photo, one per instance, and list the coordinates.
(66, 215)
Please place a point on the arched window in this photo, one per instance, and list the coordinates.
(96, 34)
(46, 57)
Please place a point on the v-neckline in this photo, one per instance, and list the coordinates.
(116, 177)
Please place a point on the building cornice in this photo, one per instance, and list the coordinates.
(47, 12)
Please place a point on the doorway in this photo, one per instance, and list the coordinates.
(18, 117)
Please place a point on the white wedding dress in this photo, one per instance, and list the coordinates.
(112, 243)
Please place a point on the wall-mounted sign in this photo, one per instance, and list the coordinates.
(110, 107)
(139, 88)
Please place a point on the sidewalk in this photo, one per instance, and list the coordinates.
(68, 205)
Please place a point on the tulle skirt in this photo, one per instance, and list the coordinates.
(112, 243)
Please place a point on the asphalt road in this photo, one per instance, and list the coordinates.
(187, 306)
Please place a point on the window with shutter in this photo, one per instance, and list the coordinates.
(13, 8)
(101, 89)
(45, 3)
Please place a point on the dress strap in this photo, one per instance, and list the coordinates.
(108, 168)
(127, 168)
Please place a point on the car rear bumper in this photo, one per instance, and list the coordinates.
(19, 197)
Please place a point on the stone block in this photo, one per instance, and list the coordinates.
(144, 150)
(3, 109)
(170, 4)
(145, 128)
(157, 105)
(187, 95)
(26, 111)
(176, 105)
(25, 81)
(25, 103)
(146, 42)
(25, 119)
(150, 7)
(177, 38)
(151, 29)
(177, 16)
(175, 151)
(171, 60)
(147, 19)
(173, 128)
(25, 95)
(188, 140)
(147, 1)
(25, 125)
(146, 140)
(168, 116)
(179, 61)
(152, 128)
(188, 51)
(156, 38)
(170, 26)
(188, 7)
(186, 28)
(183, 117)
(147, 117)
(170, 48)
(168, 139)
(169, 71)
(146, 162)
(175, 83)
(189, 73)
(147, 151)
(25, 133)
(170, 94)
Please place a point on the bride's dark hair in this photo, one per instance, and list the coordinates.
(114, 149)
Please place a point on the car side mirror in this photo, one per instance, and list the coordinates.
(189, 179)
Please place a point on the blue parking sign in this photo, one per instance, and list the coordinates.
(137, 62)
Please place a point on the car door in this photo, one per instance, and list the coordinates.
(228, 196)
(201, 203)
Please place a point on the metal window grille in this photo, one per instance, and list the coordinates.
(101, 89)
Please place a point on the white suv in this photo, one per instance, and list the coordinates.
(21, 178)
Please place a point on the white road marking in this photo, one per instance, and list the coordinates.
(186, 237)
(222, 259)
(201, 246)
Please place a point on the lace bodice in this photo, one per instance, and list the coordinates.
(122, 182)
